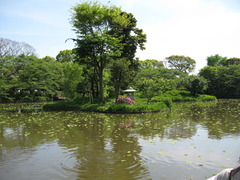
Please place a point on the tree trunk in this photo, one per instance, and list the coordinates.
(101, 97)
(118, 85)
(117, 90)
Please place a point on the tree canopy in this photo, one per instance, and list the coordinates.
(182, 63)
(216, 60)
(65, 56)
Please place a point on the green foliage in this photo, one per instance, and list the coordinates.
(181, 63)
(233, 61)
(160, 73)
(72, 79)
(65, 56)
(224, 81)
(182, 96)
(95, 45)
(150, 87)
(195, 84)
(110, 106)
(138, 107)
(124, 68)
(153, 79)
(168, 101)
(27, 78)
(150, 63)
(216, 60)
(120, 73)
(106, 34)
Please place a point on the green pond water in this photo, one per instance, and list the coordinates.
(192, 141)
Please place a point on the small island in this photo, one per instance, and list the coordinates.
(127, 105)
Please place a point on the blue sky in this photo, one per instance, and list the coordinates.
(194, 28)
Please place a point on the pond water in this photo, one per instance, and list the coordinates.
(192, 141)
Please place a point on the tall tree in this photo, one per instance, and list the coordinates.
(95, 45)
(182, 63)
(131, 38)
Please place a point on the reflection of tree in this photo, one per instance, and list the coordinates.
(127, 150)
(100, 157)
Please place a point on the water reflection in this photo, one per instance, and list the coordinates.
(193, 137)
(100, 155)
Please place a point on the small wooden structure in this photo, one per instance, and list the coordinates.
(130, 92)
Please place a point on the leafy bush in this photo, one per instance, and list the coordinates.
(125, 100)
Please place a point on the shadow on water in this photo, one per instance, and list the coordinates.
(194, 139)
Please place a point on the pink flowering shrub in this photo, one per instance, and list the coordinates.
(125, 100)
